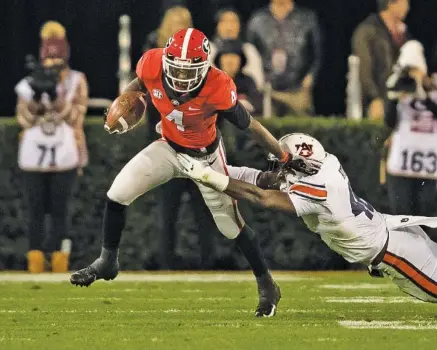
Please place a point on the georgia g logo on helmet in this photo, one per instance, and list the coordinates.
(169, 41)
(205, 46)
(304, 149)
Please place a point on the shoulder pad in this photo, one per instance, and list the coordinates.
(149, 67)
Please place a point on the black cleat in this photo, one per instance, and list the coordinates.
(269, 296)
(99, 269)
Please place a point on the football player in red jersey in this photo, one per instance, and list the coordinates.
(189, 94)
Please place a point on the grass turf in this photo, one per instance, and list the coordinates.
(316, 312)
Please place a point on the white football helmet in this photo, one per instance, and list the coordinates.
(307, 153)
(303, 145)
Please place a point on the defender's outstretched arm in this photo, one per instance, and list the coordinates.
(237, 189)
(271, 199)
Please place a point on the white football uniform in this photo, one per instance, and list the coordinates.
(346, 223)
(394, 245)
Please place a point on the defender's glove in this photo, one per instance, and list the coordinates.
(290, 163)
(270, 180)
(304, 165)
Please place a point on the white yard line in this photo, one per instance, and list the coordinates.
(372, 300)
(358, 286)
(155, 277)
(409, 325)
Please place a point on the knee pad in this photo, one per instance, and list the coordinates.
(213, 199)
(223, 212)
(226, 225)
(117, 195)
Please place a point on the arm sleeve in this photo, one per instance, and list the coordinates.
(391, 113)
(308, 198)
(245, 174)
(361, 46)
(304, 206)
(254, 96)
(237, 115)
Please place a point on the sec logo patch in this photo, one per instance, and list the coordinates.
(157, 93)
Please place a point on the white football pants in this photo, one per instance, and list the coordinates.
(157, 163)
(411, 262)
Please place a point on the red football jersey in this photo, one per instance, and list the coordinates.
(190, 124)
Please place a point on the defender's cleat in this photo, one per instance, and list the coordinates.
(269, 297)
(99, 269)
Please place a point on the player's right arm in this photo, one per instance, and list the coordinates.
(136, 85)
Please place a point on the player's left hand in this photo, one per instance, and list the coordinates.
(191, 167)
(305, 165)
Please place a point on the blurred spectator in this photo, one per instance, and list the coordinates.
(411, 110)
(376, 42)
(175, 18)
(229, 28)
(288, 38)
(231, 58)
(433, 64)
(51, 107)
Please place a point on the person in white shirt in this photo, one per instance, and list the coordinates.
(51, 107)
(315, 187)
(411, 113)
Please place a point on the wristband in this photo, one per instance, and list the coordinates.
(285, 157)
(218, 181)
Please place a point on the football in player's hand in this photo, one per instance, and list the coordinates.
(125, 112)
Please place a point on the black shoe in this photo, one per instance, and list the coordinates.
(269, 296)
(99, 269)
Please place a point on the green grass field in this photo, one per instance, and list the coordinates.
(211, 311)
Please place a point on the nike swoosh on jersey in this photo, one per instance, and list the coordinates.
(193, 109)
(213, 161)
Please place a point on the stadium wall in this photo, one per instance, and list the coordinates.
(287, 243)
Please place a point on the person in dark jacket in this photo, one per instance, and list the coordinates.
(231, 58)
(289, 40)
(377, 41)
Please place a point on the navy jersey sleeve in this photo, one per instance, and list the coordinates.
(237, 115)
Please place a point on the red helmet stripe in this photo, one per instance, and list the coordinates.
(186, 42)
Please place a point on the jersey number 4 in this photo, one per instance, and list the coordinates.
(359, 205)
(177, 117)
